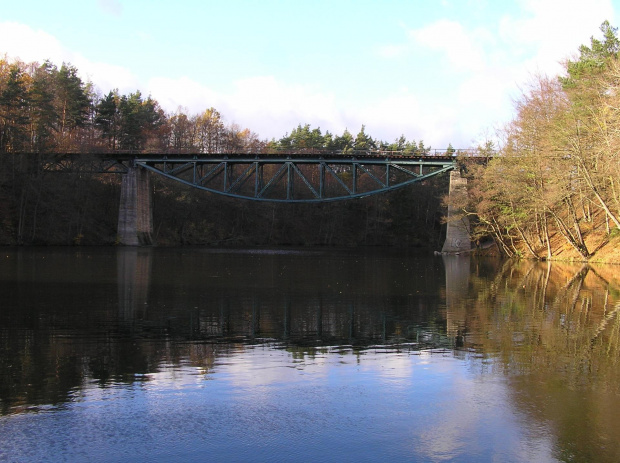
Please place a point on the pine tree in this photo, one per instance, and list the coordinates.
(14, 119)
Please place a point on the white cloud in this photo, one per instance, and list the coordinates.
(493, 59)
(392, 51)
(263, 104)
(398, 113)
(22, 42)
(274, 107)
(463, 49)
(552, 30)
(107, 76)
(183, 92)
(112, 7)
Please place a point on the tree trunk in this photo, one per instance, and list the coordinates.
(594, 189)
(578, 234)
(548, 241)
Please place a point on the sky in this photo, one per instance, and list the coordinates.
(444, 71)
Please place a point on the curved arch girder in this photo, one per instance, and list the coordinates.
(295, 180)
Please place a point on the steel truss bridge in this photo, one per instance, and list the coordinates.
(290, 178)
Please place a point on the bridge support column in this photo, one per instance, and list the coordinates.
(457, 233)
(135, 215)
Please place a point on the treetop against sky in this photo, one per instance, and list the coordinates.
(443, 71)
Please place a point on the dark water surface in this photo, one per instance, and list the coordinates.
(111, 355)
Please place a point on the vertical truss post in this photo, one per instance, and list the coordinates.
(321, 180)
(225, 176)
(289, 180)
(258, 178)
(354, 178)
(387, 175)
(229, 179)
(230, 174)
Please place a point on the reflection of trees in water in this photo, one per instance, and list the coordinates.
(538, 316)
(555, 329)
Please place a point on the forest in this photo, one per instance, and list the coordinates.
(550, 190)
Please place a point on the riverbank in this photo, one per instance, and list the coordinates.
(604, 248)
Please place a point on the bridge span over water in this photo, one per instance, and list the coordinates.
(295, 178)
(282, 177)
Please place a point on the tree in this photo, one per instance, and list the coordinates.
(328, 141)
(139, 120)
(304, 138)
(592, 126)
(72, 103)
(422, 150)
(533, 183)
(344, 142)
(210, 131)
(593, 59)
(315, 139)
(363, 142)
(14, 103)
(183, 131)
(43, 116)
(154, 130)
(107, 118)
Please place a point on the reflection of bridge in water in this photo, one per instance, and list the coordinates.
(263, 311)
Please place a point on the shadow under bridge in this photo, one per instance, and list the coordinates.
(297, 179)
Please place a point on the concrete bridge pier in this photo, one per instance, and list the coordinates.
(135, 215)
(457, 233)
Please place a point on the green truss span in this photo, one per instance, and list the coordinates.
(294, 179)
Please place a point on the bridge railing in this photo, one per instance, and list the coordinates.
(298, 152)
(327, 152)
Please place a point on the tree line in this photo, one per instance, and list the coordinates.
(557, 176)
(46, 109)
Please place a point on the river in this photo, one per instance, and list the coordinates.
(270, 355)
